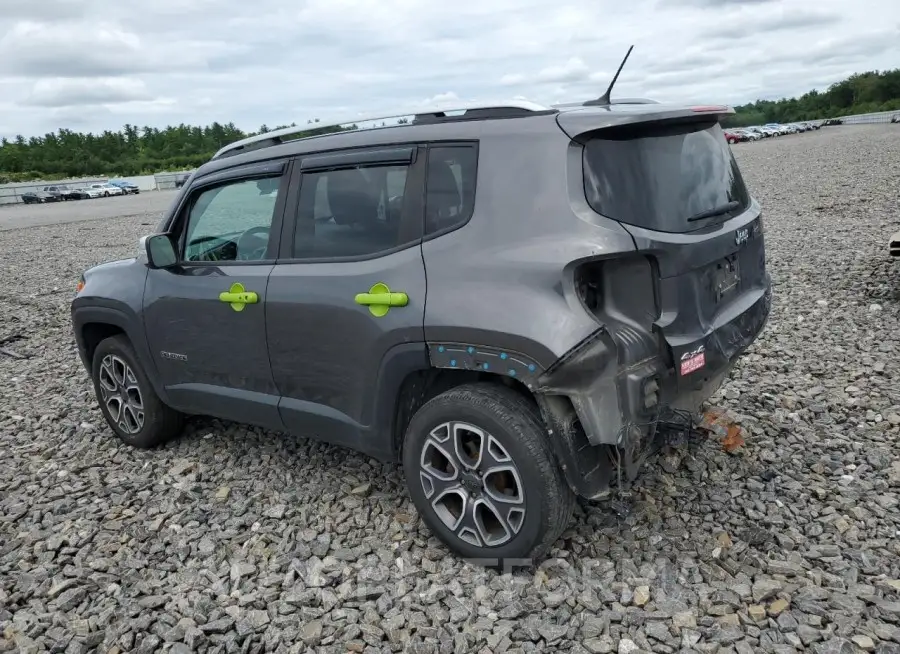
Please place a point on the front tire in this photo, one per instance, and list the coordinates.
(482, 475)
(127, 400)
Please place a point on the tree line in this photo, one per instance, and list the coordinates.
(131, 151)
(860, 93)
(147, 150)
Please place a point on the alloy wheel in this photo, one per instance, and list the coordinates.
(472, 484)
(121, 394)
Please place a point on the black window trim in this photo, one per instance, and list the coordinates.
(471, 143)
(412, 218)
(244, 172)
(366, 158)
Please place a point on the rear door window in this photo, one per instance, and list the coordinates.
(667, 178)
(351, 212)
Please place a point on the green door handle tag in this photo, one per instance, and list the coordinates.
(237, 297)
(380, 299)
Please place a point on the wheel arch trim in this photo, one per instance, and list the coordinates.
(82, 316)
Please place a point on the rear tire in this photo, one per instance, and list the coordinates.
(482, 475)
(126, 397)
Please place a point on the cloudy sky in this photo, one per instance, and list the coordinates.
(90, 65)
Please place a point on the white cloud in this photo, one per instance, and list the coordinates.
(274, 62)
(445, 98)
(513, 79)
(573, 70)
(74, 92)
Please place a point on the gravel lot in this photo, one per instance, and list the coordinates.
(16, 216)
(237, 540)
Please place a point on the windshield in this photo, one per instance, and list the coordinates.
(660, 176)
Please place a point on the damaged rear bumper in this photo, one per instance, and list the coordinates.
(702, 361)
(604, 400)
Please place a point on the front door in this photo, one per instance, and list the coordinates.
(206, 316)
(347, 296)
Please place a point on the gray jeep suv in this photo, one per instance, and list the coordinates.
(509, 300)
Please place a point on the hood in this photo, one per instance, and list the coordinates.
(108, 266)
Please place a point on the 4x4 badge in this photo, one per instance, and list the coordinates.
(741, 236)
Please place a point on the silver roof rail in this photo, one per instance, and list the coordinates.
(417, 115)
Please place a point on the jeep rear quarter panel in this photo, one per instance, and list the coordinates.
(505, 279)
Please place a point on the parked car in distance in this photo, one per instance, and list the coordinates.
(732, 135)
(107, 189)
(348, 287)
(89, 192)
(127, 187)
(777, 129)
(62, 192)
(54, 191)
(744, 134)
(39, 197)
(79, 193)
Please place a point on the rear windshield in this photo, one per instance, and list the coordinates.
(665, 178)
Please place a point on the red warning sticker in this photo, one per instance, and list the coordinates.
(693, 361)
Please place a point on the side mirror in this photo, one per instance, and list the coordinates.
(160, 251)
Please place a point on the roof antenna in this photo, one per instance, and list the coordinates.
(603, 100)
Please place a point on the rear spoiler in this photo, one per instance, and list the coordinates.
(578, 122)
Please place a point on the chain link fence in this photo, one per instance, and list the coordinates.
(12, 193)
(867, 119)
(166, 181)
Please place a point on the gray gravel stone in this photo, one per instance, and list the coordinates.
(599, 645)
(238, 540)
(764, 589)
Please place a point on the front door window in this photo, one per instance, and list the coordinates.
(231, 222)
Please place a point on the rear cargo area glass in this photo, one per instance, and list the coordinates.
(659, 176)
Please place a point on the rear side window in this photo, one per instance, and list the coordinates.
(450, 187)
(350, 212)
(674, 178)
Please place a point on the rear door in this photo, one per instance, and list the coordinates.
(346, 299)
(209, 344)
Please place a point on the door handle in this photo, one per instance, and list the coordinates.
(238, 297)
(386, 299)
(380, 299)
